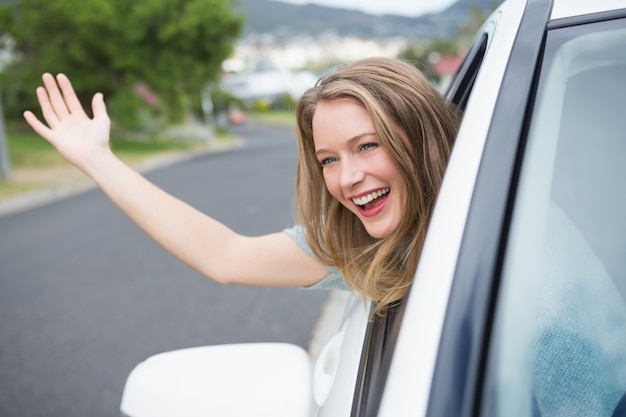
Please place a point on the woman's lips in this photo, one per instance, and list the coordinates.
(372, 203)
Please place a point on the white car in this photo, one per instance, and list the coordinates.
(518, 304)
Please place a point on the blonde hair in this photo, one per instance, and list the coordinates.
(416, 126)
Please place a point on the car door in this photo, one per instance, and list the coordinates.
(467, 341)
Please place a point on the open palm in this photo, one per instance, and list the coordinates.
(68, 128)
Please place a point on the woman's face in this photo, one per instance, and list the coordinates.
(357, 170)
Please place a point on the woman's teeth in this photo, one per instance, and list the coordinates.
(361, 201)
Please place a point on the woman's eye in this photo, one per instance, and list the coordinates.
(327, 161)
(366, 146)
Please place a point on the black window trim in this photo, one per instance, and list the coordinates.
(380, 338)
(461, 87)
(586, 19)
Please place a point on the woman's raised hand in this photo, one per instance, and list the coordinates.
(68, 128)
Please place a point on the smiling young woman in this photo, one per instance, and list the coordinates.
(374, 140)
(373, 130)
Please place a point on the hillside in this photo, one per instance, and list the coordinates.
(285, 20)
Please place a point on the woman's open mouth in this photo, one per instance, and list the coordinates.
(372, 203)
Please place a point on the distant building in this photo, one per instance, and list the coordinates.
(445, 66)
(265, 82)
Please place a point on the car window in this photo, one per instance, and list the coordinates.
(559, 340)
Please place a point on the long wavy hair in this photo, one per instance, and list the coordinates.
(416, 126)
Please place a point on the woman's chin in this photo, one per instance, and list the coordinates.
(378, 232)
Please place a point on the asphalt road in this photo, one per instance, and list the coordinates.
(85, 295)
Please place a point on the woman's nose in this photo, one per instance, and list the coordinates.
(351, 173)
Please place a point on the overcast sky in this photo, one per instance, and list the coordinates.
(409, 8)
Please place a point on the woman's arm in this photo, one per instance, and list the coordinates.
(196, 239)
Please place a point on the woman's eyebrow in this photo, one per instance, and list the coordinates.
(350, 141)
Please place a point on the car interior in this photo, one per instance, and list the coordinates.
(587, 185)
(576, 170)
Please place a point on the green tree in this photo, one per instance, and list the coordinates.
(475, 20)
(154, 55)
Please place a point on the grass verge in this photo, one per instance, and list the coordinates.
(35, 164)
(286, 117)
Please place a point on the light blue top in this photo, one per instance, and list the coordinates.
(334, 280)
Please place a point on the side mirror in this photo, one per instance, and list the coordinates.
(256, 379)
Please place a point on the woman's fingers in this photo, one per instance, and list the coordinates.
(41, 129)
(46, 107)
(71, 100)
(55, 97)
(97, 105)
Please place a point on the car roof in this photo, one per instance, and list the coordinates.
(571, 8)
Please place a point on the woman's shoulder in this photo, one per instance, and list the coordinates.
(334, 279)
